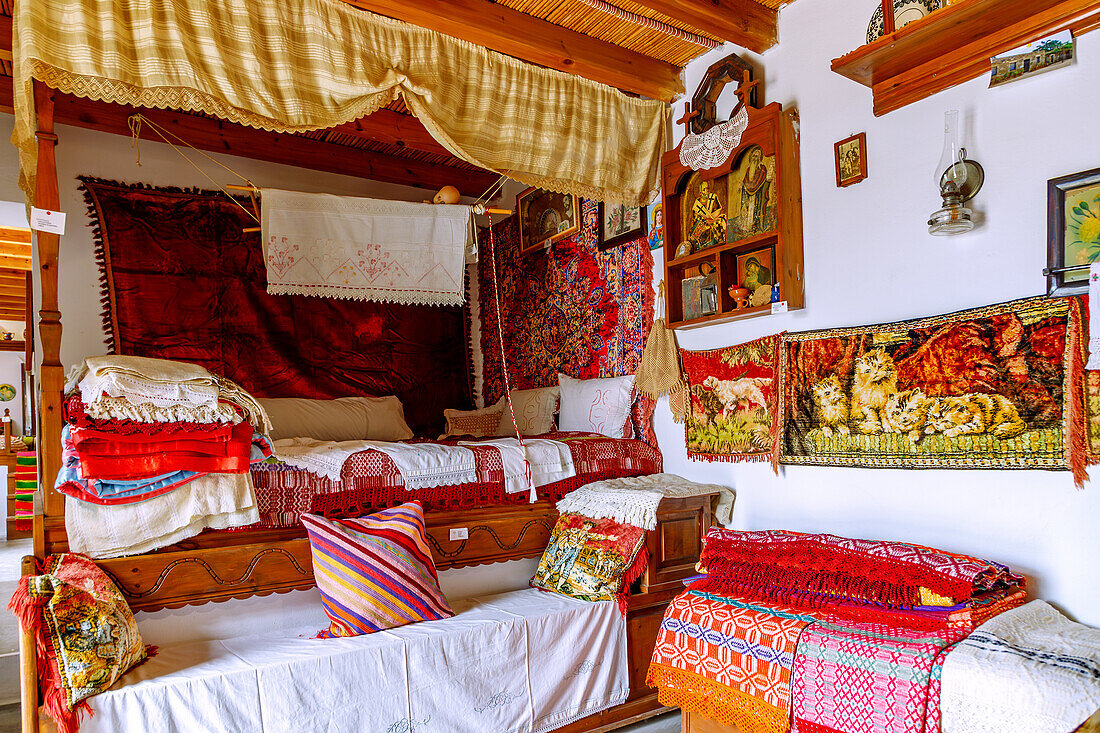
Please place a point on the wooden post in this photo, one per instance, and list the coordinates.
(52, 378)
(28, 668)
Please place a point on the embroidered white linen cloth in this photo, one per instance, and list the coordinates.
(365, 249)
(523, 662)
(634, 500)
(1029, 668)
(214, 501)
(1094, 317)
(422, 465)
(551, 460)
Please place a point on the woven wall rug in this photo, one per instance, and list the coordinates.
(991, 387)
(572, 308)
(732, 402)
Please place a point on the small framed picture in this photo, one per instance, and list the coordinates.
(656, 217)
(851, 160)
(545, 217)
(620, 224)
(756, 273)
(1073, 231)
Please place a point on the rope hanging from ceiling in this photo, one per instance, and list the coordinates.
(651, 23)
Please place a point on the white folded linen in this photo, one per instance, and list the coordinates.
(1028, 669)
(422, 465)
(523, 662)
(365, 249)
(550, 461)
(213, 501)
(159, 390)
(634, 500)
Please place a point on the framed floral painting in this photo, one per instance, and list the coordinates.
(620, 224)
(1073, 231)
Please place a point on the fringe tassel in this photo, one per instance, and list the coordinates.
(632, 573)
(733, 457)
(698, 694)
(1076, 427)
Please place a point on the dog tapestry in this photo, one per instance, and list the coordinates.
(733, 391)
(989, 387)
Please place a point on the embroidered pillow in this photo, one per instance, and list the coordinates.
(535, 409)
(85, 634)
(375, 572)
(478, 423)
(344, 418)
(591, 559)
(596, 405)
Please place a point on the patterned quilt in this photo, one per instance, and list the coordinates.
(370, 481)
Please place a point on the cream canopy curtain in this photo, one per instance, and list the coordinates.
(295, 65)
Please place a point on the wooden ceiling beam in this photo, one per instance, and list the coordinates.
(744, 22)
(393, 128)
(12, 291)
(15, 263)
(15, 234)
(536, 41)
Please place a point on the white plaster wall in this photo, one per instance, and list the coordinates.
(869, 259)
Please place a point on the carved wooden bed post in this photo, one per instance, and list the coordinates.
(52, 378)
(51, 383)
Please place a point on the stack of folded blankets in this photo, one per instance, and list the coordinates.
(155, 451)
(822, 633)
(26, 483)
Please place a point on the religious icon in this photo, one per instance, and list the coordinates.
(752, 195)
(755, 273)
(657, 226)
(704, 217)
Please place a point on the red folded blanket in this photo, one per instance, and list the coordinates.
(75, 415)
(820, 569)
(143, 459)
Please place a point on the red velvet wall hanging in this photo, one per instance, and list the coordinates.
(572, 308)
(181, 281)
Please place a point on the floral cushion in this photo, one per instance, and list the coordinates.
(591, 559)
(86, 634)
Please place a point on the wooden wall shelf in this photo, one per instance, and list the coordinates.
(955, 44)
(774, 131)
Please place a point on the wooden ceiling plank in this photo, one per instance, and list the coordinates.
(12, 291)
(15, 263)
(744, 22)
(17, 250)
(15, 234)
(536, 41)
(393, 128)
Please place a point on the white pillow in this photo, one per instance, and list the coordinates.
(535, 410)
(344, 418)
(596, 405)
(478, 423)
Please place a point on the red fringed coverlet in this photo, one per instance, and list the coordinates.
(371, 481)
(181, 281)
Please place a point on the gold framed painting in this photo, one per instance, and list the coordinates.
(545, 217)
(1073, 231)
(851, 160)
(751, 195)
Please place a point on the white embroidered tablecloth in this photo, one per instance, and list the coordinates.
(634, 500)
(365, 249)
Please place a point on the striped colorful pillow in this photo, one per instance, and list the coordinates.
(375, 572)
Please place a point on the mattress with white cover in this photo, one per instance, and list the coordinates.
(521, 661)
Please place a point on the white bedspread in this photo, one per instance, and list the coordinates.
(523, 661)
(551, 461)
(634, 500)
(422, 465)
(1029, 669)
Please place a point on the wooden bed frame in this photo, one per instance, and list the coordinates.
(214, 567)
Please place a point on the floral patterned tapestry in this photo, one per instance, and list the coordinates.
(571, 309)
(992, 387)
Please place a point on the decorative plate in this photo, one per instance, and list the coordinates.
(905, 12)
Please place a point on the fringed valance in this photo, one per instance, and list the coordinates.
(296, 65)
